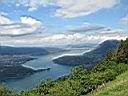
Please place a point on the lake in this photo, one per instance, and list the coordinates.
(35, 79)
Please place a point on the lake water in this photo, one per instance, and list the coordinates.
(55, 72)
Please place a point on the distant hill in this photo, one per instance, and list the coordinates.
(53, 50)
(33, 51)
(82, 45)
(90, 58)
(7, 50)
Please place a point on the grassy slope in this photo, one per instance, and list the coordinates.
(118, 87)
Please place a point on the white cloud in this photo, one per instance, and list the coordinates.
(27, 25)
(76, 8)
(69, 8)
(30, 20)
(33, 4)
(86, 27)
(3, 13)
(35, 25)
(124, 21)
(66, 38)
(78, 37)
(5, 20)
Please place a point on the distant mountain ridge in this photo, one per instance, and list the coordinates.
(7, 50)
(33, 51)
(82, 45)
(91, 58)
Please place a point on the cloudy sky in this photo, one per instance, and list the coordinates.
(51, 22)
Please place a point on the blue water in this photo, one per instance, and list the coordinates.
(35, 79)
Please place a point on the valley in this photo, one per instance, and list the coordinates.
(29, 68)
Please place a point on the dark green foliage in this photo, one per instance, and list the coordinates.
(78, 72)
(5, 92)
(121, 55)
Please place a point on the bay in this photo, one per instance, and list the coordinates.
(56, 71)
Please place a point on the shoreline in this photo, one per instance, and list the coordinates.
(35, 69)
(72, 54)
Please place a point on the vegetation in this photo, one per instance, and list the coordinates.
(81, 81)
(118, 87)
(5, 92)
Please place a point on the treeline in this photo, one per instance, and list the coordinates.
(81, 81)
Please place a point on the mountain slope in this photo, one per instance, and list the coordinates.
(91, 58)
(118, 87)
